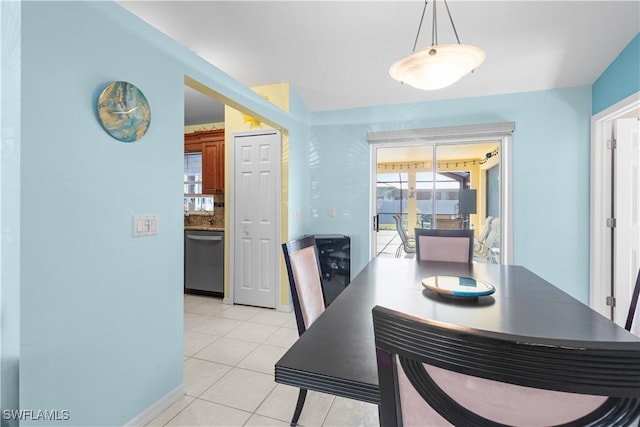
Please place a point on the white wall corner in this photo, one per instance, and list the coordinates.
(287, 308)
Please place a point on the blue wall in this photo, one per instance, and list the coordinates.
(550, 173)
(10, 33)
(298, 196)
(620, 79)
(101, 311)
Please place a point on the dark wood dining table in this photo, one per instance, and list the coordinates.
(336, 355)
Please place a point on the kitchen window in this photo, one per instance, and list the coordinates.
(193, 173)
(194, 200)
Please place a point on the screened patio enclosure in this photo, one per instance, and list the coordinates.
(439, 186)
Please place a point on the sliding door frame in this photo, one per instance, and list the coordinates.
(458, 135)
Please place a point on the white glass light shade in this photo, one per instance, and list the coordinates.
(437, 66)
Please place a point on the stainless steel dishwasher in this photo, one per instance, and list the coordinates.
(204, 262)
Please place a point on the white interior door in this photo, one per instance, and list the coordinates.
(627, 214)
(255, 218)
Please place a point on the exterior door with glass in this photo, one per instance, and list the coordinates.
(451, 186)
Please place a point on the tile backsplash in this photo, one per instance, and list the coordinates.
(203, 220)
(212, 217)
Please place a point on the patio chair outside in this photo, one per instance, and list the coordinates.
(408, 244)
(484, 248)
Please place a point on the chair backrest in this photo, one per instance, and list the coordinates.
(494, 232)
(485, 229)
(634, 304)
(432, 373)
(492, 236)
(401, 231)
(305, 280)
(444, 245)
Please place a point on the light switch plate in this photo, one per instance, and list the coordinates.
(145, 225)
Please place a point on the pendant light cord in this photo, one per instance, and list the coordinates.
(451, 19)
(415, 43)
(434, 29)
(434, 26)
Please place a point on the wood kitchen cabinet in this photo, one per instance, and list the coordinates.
(211, 145)
(213, 167)
(192, 143)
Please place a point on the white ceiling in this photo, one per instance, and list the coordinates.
(336, 54)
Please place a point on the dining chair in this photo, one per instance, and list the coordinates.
(432, 373)
(634, 304)
(444, 245)
(305, 282)
(484, 232)
(483, 250)
(408, 243)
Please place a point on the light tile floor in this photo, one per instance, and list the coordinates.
(230, 352)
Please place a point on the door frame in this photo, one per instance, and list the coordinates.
(453, 135)
(600, 245)
(229, 298)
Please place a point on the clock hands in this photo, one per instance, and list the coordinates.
(125, 112)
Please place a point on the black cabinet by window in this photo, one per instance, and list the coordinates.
(334, 254)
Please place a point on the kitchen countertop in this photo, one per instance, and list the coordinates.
(204, 227)
(203, 221)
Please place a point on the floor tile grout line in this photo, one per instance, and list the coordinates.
(233, 407)
(264, 416)
(180, 411)
(231, 366)
(261, 342)
(249, 321)
(240, 361)
(324, 420)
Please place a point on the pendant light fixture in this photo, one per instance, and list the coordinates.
(437, 66)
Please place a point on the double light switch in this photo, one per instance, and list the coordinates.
(145, 225)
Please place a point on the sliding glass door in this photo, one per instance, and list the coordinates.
(444, 186)
(398, 187)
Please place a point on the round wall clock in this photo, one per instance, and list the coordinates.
(123, 111)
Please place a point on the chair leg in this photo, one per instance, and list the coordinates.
(296, 414)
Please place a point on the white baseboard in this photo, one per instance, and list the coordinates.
(157, 408)
(227, 300)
